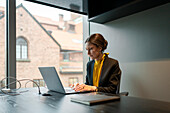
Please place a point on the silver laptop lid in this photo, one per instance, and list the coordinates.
(51, 79)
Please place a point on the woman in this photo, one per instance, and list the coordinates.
(103, 73)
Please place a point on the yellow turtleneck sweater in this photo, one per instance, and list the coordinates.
(97, 70)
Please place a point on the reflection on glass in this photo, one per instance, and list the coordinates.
(48, 37)
(2, 42)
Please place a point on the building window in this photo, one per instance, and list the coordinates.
(66, 56)
(71, 28)
(49, 31)
(21, 48)
(73, 80)
(2, 83)
(40, 82)
(1, 13)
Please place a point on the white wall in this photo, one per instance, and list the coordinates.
(141, 44)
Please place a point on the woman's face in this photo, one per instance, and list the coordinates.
(93, 51)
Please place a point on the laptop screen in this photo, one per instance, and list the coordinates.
(52, 79)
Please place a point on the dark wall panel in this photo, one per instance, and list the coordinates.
(141, 44)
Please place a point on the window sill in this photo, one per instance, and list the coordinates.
(22, 60)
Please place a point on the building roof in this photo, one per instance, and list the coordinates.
(46, 20)
(21, 6)
(68, 41)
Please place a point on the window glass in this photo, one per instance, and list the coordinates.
(18, 51)
(73, 80)
(40, 82)
(24, 51)
(66, 56)
(44, 39)
(21, 48)
(2, 42)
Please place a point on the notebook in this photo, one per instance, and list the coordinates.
(53, 81)
(94, 98)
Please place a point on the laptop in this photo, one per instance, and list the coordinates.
(53, 81)
(94, 98)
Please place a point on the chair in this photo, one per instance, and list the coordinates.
(121, 93)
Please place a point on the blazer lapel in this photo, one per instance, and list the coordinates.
(103, 73)
(91, 76)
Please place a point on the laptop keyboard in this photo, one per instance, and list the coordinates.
(69, 90)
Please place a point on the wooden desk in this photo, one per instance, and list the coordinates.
(32, 102)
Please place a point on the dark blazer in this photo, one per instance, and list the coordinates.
(109, 78)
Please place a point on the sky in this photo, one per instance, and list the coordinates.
(41, 10)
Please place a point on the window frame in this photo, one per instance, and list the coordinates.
(10, 43)
(66, 56)
(10, 40)
(73, 79)
(39, 81)
(21, 49)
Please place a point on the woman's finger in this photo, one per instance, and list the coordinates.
(77, 84)
(72, 85)
(80, 87)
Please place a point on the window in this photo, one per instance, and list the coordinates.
(42, 39)
(1, 13)
(49, 31)
(73, 80)
(40, 82)
(2, 83)
(71, 28)
(66, 56)
(21, 48)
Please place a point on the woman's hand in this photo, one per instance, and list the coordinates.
(74, 85)
(84, 87)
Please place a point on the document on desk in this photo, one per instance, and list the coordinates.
(93, 98)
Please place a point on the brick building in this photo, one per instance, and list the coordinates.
(41, 41)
